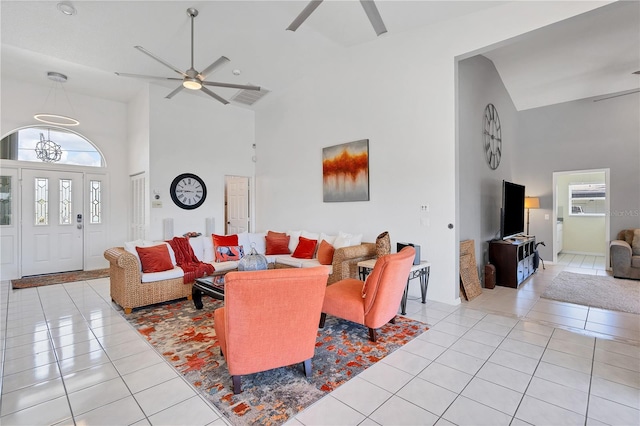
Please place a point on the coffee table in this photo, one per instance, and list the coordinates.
(211, 285)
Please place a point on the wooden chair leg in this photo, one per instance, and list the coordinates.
(307, 367)
(393, 320)
(373, 336)
(323, 318)
(237, 384)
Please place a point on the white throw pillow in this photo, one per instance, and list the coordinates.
(294, 239)
(328, 238)
(311, 235)
(347, 240)
(258, 241)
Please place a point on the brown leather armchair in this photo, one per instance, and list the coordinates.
(374, 302)
(270, 319)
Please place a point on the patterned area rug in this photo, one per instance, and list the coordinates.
(63, 277)
(596, 291)
(187, 339)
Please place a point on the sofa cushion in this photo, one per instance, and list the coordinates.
(305, 249)
(325, 253)
(277, 243)
(225, 266)
(226, 253)
(635, 244)
(155, 258)
(151, 277)
(290, 261)
(635, 261)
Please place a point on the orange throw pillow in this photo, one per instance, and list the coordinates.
(305, 249)
(155, 258)
(325, 253)
(225, 240)
(277, 244)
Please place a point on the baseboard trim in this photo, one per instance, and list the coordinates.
(581, 253)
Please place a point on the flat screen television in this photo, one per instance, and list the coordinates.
(512, 213)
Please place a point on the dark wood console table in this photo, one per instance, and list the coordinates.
(513, 259)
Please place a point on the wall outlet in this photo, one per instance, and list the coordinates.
(424, 208)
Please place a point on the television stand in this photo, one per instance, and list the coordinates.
(513, 259)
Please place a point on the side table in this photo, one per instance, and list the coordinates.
(417, 271)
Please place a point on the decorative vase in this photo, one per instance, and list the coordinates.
(383, 244)
(253, 261)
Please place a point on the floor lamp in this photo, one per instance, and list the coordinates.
(531, 203)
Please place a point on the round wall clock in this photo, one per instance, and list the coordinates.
(188, 191)
(492, 136)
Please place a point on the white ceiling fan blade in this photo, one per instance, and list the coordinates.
(231, 85)
(213, 95)
(162, 61)
(374, 16)
(151, 77)
(313, 5)
(172, 94)
(208, 70)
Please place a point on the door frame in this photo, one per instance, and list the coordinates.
(607, 202)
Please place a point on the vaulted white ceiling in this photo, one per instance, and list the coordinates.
(589, 55)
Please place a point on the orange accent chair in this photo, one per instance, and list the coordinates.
(374, 302)
(270, 319)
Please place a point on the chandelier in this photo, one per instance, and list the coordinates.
(47, 150)
(51, 117)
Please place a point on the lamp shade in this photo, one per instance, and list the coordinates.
(532, 203)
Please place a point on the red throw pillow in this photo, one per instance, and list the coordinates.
(225, 240)
(277, 244)
(325, 253)
(305, 249)
(155, 258)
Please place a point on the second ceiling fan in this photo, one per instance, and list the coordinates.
(368, 5)
(191, 78)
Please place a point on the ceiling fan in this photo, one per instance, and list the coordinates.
(191, 78)
(623, 93)
(368, 5)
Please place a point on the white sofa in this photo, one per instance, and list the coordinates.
(132, 288)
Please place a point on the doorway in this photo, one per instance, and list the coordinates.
(580, 212)
(237, 208)
(52, 221)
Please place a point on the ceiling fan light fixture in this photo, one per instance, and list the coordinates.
(66, 8)
(192, 83)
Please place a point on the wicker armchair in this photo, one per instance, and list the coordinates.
(128, 291)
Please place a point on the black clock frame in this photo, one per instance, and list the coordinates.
(492, 136)
(174, 196)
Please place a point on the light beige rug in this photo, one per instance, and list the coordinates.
(596, 291)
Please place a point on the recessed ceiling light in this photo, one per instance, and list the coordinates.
(67, 8)
(236, 72)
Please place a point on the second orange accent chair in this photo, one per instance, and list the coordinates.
(270, 319)
(375, 301)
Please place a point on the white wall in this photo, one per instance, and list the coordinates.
(480, 189)
(192, 133)
(103, 122)
(582, 135)
(399, 92)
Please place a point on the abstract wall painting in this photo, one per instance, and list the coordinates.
(345, 172)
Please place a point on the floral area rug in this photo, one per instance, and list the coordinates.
(187, 339)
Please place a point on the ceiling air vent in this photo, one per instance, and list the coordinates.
(249, 97)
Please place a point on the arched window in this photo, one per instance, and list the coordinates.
(50, 144)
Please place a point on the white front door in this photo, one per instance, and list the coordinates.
(237, 200)
(52, 221)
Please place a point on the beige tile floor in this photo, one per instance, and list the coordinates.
(506, 357)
